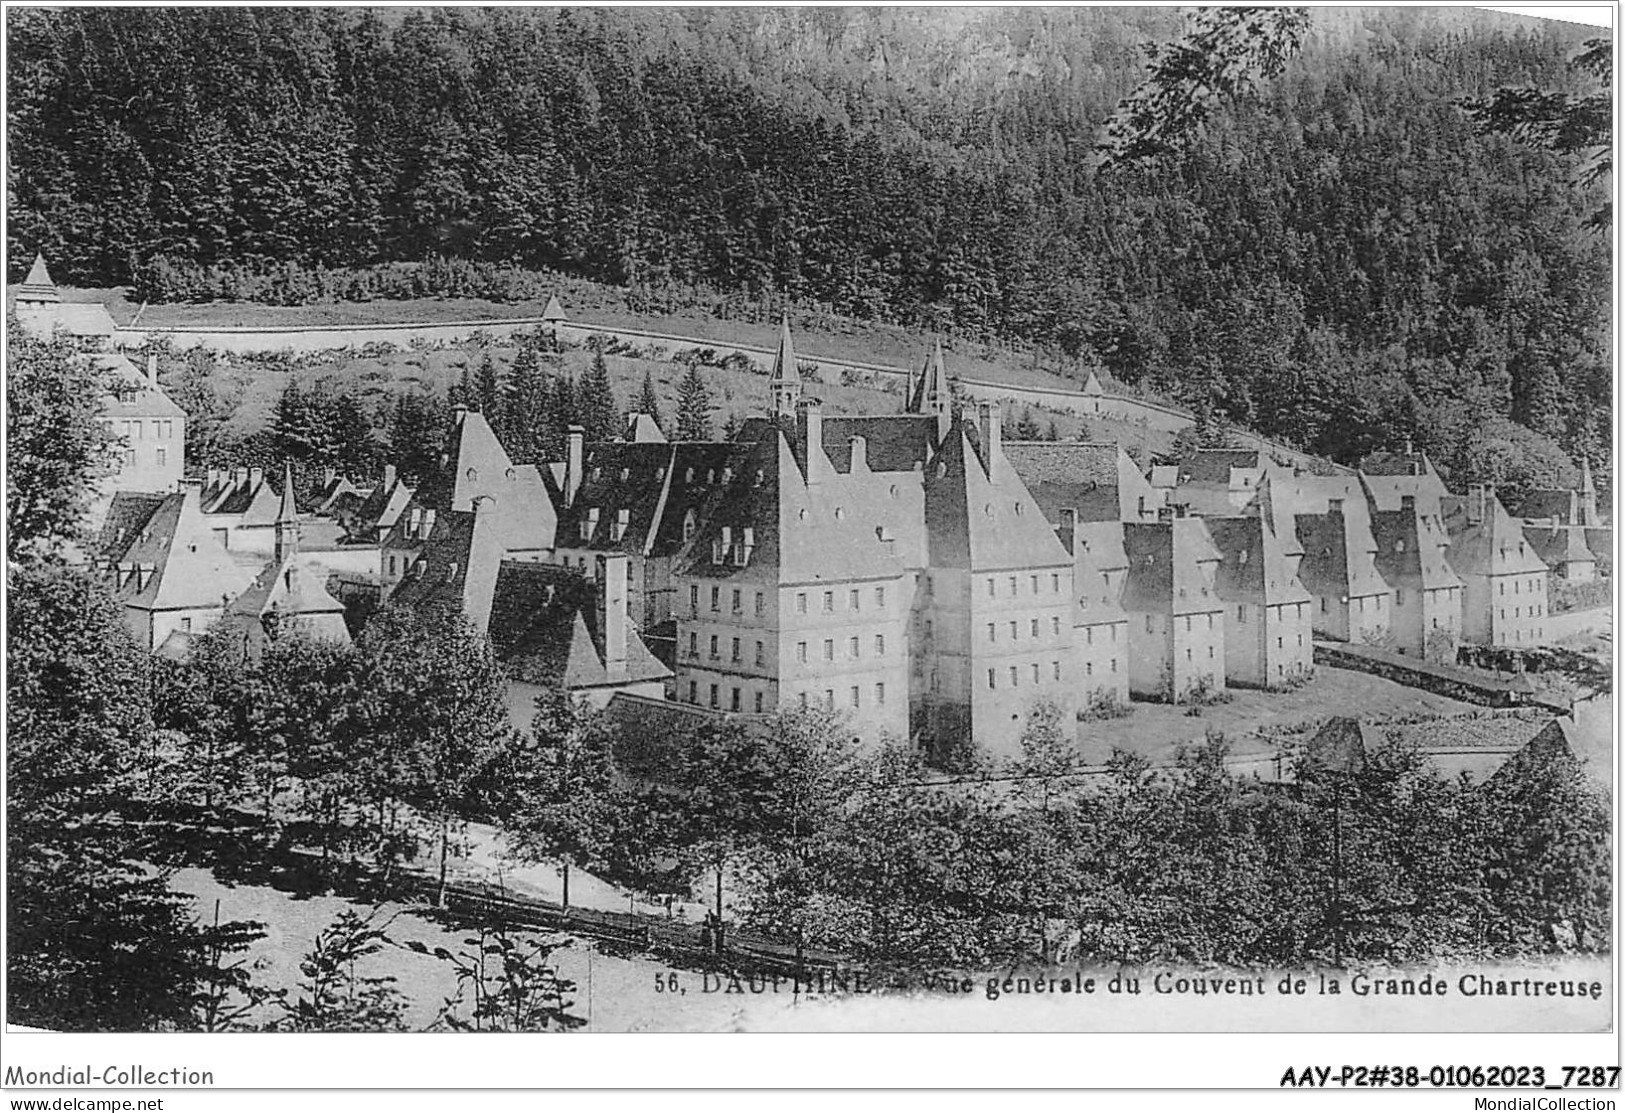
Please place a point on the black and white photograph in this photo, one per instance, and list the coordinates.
(781, 519)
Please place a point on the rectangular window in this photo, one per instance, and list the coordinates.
(715, 701)
(1055, 625)
(992, 632)
(758, 703)
(991, 678)
(829, 649)
(880, 597)
(714, 653)
(1055, 582)
(733, 704)
(801, 652)
(829, 699)
(1035, 672)
(1241, 613)
(852, 648)
(880, 694)
(1055, 666)
(760, 606)
(186, 626)
(802, 696)
(1014, 628)
(852, 600)
(880, 645)
(694, 599)
(163, 456)
(1012, 587)
(854, 694)
(991, 591)
(1034, 627)
(1210, 653)
(761, 655)
(801, 603)
(738, 601)
(716, 599)
(693, 692)
(1035, 583)
(1399, 597)
(1015, 677)
(1187, 653)
(1187, 624)
(1210, 620)
(1150, 624)
(1278, 644)
(1088, 668)
(735, 651)
(392, 566)
(1089, 635)
(693, 645)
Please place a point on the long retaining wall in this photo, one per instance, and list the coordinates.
(1442, 680)
(1151, 415)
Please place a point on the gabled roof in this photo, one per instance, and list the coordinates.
(1257, 565)
(1169, 563)
(1411, 544)
(554, 311)
(1339, 549)
(185, 566)
(630, 477)
(642, 428)
(1560, 544)
(1343, 745)
(127, 515)
(138, 398)
(85, 319)
(1099, 481)
(544, 630)
(1487, 541)
(1541, 503)
(443, 556)
(891, 443)
(1215, 465)
(291, 588)
(480, 468)
(382, 508)
(979, 514)
(785, 369)
(1552, 750)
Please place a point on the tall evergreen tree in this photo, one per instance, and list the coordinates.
(595, 401)
(648, 401)
(693, 407)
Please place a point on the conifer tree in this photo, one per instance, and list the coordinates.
(595, 401)
(524, 410)
(693, 407)
(649, 401)
(488, 392)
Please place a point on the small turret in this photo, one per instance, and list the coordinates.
(287, 518)
(786, 381)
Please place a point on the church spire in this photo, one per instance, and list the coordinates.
(786, 381)
(932, 394)
(287, 518)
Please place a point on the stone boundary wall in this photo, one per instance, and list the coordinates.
(1441, 680)
(1151, 415)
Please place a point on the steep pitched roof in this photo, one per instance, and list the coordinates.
(127, 516)
(1560, 544)
(891, 442)
(622, 478)
(1343, 744)
(785, 369)
(291, 588)
(1172, 566)
(554, 311)
(480, 467)
(134, 396)
(437, 575)
(1487, 541)
(1257, 565)
(1099, 481)
(933, 391)
(544, 630)
(177, 563)
(1340, 552)
(1541, 503)
(1411, 546)
(980, 515)
(38, 286)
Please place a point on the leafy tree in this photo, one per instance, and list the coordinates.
(333, 995)
(505, 983)
(694, 407)
(435, 707)
(56, 448)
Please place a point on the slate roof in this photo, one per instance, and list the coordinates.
(933, 389)
(480, 467)
(1343, 745)
(1491, 545)
(144, 401)
(1099, 481)
(380, 510)
(1170, 563)
(1545, 503)
(1097, 549)
(444, 557)
(1257, 565)
(1560, 544)
(1554, 745)
(892, 442)
(1213, 465)
(81, 319)
(1411, 547)
(1340, 550)
(127, 515)
(544, 630)
(188, 568)
(979, 515)
(38, 286)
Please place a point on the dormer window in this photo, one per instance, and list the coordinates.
(688, 526)
(1243, 557)
(626, 473)
(688, 475)
(1399, 545)
(472, 474)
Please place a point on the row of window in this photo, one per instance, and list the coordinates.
(1151, 623)
(1534, 586)
(734, 649)
(854, 600)
(1535, 611)
(1013, 584)
(1014, 627)
(736, 601)
(160, 457)
(163, 429)
(1536, 635)
(1278, 608)
(854, 648)
(854, 697)
(1035, 670)
(735, 697)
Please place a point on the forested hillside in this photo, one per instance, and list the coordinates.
(1345, 261)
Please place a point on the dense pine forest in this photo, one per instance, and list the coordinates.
(1347, 259)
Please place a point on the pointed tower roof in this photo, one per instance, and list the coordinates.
(38, 287)
(784, 363)
(287, 511)
(1091, 385)
(931, 393)
(554, 311)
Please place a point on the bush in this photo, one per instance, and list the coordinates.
(1104, 704)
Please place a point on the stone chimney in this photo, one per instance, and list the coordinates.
(152, 370)
(389, 478)
(428, 524)
(860, 454)
(574, 461)
(611, 603)
(990, 431)
(812, 436)
(256, 476)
